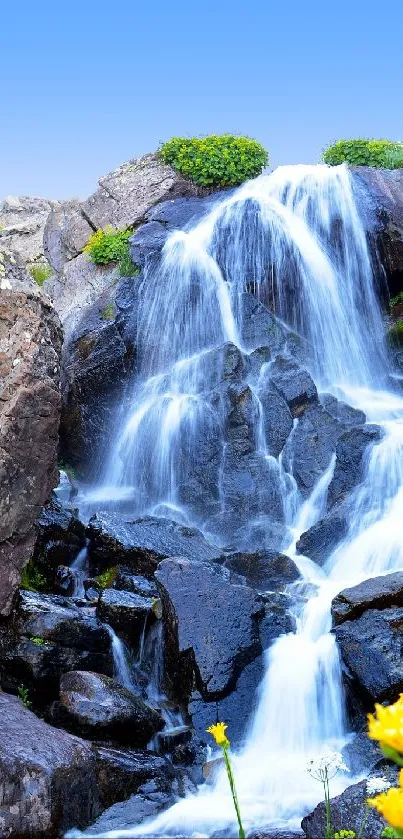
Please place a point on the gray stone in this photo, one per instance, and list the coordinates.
(22, 224)
(347, 811)
(126, 612)
(340, 410)
(65, 234)
(121, 772)
(319, 542)
(372, 649)
(312, 445)
(351, 451)
(264, 570)
(376, 593)
(295, 385)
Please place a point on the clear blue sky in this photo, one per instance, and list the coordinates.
(87, 85)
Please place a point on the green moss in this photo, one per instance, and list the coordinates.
(107, 578)
(111, 245)
(398, 300)
(215, 161)
(32, 579)
(108, 312)
(39, 642)
(396, 334)
(23, 694)
(40, 272)
(384, 154)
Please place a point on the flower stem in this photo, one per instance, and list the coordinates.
(233, 791)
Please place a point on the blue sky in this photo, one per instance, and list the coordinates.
(88, 85)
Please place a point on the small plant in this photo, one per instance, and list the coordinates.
(218, 732)
(107, 578)
(32, 579)
(324, 769)
(398, 300)
(345, 834)
(396, 334)
(112, 245)
(39, 642)
(40, 272)
(381, 153)
(23, 694)
(215, 161)
(108, 312)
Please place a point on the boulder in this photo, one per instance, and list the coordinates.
(98, 360)
(126, 612)
(277, 419)
(372, 648)
(311, 446)
(65, 233)
(145, 804)
(340, 410)
(121, 772)
(347, 811)
(294, 384)
(60, 537)
(30, 341)
(264, 570)
(351, 450)
(48, 777)
(22, 224)
(376, 593)
(126, 581)
(142, 543)
(319, 542)
(211, 626)
(99, 708)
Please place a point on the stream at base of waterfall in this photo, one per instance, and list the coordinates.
(296, 234)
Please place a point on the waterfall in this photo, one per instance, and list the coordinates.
(120, 656)
(294, 239)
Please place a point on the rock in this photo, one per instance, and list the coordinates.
(22, 224)
(376, 593)
(47, 777)
(121, 772)
(126, 581)
(311, 446)
(65, 233)
(319, 542)
(211, 630)
(148, 240)
(65, 581)
(98, 359)
(361, 754)
(264, 570)
(126, 612)
(142, 543)
(60, 537)
(350, 460)
(50, 635)
(347, 811)
(30, 342)
(100, 708)
(295, 385)
(340, 410)
(277, 420)
(146, 804)
(372, 649)
(278, 618)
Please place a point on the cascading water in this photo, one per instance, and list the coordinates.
(294, 239)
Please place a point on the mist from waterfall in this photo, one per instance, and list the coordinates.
(294, 239)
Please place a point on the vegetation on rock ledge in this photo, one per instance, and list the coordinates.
(384, 154)
(112, 245)
(215, 161)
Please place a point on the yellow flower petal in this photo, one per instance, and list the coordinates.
(218, 732)
(390, 805)
(386, 725)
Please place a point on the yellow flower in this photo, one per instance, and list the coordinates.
(390, 804)
(387, 725)
(218, 732)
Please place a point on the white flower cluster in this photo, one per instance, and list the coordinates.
(375, 785)
(326, 767)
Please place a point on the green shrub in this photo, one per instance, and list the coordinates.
(112, 245)
(396, 334)
(40, 272)
(32, 579)
(108, 312)
(107, 578)
(381, 153)
(216, 160)
(23, 694)
(398, 300)
(39, 642)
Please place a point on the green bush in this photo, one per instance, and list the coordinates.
(32, 579)
(396, 334)
(40, 272)
(112, 245)
(380, 153)
(397, 301)
(23, 694)
(107, 578)
(216, 160)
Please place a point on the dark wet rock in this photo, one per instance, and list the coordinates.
(49, 636)
(121, 772)
(323, 537)
(372, 648)
(182, 213)
(242, 415)
(97, 360)
(60, 537)
(126, 612)
(352, 450)
(92, 590)
(126, 581)
(172, 739)
(148, 802)
(30, 342)
(251, 486)
(268, 833)
(259, 327)
(277, 618)
(148, 239)
(347, 811)
(142, 543)
(64, 580)
(312, 445)
(98, 707)
(376, 593)
(277, 419)
(211, 629)
(264, 570)
(361, 754)
(340, 410)
(47, 777)
(294, 384)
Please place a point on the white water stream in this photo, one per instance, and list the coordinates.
(294, 237)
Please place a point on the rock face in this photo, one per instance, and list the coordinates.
(347, 810)
(351, 450)
(30, 342)
(48, 777)
(142, 543)
(60, 537)
(121, 772)
(372, 649)
(376, 593)
(264, 570)
(98, 707)
(22, 225)
(126, 612)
